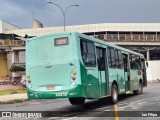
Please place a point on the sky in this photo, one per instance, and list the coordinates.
(20, 12)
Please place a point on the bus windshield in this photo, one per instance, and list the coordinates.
(44, 51)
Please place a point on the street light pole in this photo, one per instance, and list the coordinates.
(63, 12)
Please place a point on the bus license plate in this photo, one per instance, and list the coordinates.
(50, 87)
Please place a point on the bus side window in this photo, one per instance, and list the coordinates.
(117, 58)
(109, 57)
(83, 50)
(113, 60)
(138, 61)
(130, 60)
(88, 53)
(101, 59)
(125, 62)
(120, 60)
(83, 47)
(135, 62)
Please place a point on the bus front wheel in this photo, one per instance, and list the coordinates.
(140, 89)
(77, 101)
(114, 94)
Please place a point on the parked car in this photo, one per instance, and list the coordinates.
(10, 80)
(5, 82)
(16, 80)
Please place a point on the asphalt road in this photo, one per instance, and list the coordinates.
(130, 107)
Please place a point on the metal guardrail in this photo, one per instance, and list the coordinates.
(128, 37)
(12, 43)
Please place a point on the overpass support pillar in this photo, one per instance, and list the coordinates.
(15, 59)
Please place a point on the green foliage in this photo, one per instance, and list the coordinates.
(10, 91)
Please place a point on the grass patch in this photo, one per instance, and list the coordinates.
(14, 91)
(13, 101)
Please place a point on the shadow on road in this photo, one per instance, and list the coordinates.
(90, 106)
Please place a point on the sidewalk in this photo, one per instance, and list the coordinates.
(5, 98)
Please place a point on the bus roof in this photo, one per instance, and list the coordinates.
(89, 38)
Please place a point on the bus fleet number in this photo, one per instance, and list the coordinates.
(61, 94)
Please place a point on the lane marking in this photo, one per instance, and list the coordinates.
(122, 103)
(116, 112)
(156, 97)
(142, 102)
(70, 118)
(103, 108)
(53, 118)
(35, 103)
(68, 115)
(107, 110)
(122, 108)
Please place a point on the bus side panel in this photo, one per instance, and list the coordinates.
(90, 83)
(103, 84)
(118, 76)
(134, 83)
(83, 73)
(121, 80)
(135, 78)
(112, 76)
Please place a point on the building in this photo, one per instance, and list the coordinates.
(140, 37)
(7, 41)
(4, 26)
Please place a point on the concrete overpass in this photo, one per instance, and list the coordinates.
(91, 28)
(140, 37)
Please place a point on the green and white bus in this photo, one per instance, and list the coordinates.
(76, 66)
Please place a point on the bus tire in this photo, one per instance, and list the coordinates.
(77, 101)
(114, 94)
(140, 89)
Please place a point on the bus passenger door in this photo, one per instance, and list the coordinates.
(102, 71)
(135, 72)
(126, 72)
